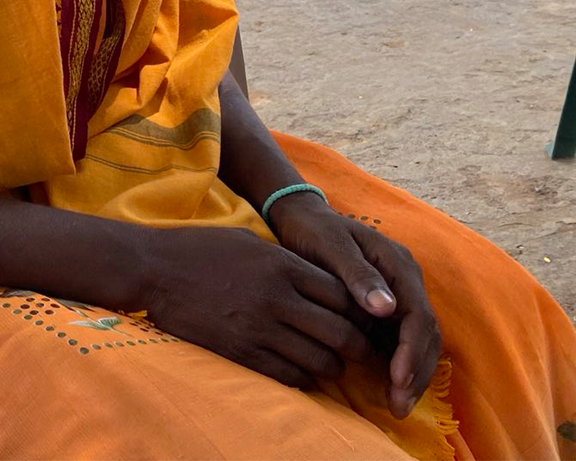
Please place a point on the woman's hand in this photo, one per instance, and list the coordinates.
(383, 278)
(380, 274)
(224, 289)
(254, 303)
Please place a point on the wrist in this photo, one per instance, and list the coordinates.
(130, 276)
(295, 206)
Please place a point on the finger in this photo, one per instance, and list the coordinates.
(417, 355)
(364, 281)
(326, 290)
(273, 365)
(307, 353)
(329, 328)
(418, 326)
(401, 402)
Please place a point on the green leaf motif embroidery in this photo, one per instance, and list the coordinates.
(11, 293)
(90, 324)
(110, 322)
(73, 305)
(103, 324)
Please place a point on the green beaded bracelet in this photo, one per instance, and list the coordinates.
(289, 191)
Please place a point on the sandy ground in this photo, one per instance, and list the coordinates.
(453, 100)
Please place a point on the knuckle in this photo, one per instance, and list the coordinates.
(431, 324)
(437, 336)
(339, 237)
(272, 299)
(344, 337)
(288, 264)
(240, 352)
(295, 379)
(404, 253)
(280, 263)
(326, 365)
(361, 272)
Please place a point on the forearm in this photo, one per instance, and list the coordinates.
(252, 163)
(71, 255)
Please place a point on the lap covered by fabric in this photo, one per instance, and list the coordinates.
(80, 382)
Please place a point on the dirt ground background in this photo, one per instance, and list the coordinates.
(453, 100)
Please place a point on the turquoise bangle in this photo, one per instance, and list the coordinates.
(289, 191)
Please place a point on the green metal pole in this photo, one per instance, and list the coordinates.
(565, 144)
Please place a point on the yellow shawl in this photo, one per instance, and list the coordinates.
(153, 144)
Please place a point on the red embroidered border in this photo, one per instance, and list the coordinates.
(87, 77)
(106, 62)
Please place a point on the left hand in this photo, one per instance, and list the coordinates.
(383, 278)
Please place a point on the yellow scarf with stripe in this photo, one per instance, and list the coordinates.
(149, 152)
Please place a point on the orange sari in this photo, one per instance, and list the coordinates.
(111, 108)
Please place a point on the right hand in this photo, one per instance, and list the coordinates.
(254, 303)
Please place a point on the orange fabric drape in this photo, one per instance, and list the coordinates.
(513, 348)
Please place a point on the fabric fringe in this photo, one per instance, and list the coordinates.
(442, 410)
(139, 316)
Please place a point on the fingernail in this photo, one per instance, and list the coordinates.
(408, 381)
(411, 404)
(381, 302)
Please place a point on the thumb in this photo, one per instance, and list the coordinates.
(364, 282)
(368, 287)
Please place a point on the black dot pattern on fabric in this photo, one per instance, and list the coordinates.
(364, 218)
(47, 306)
